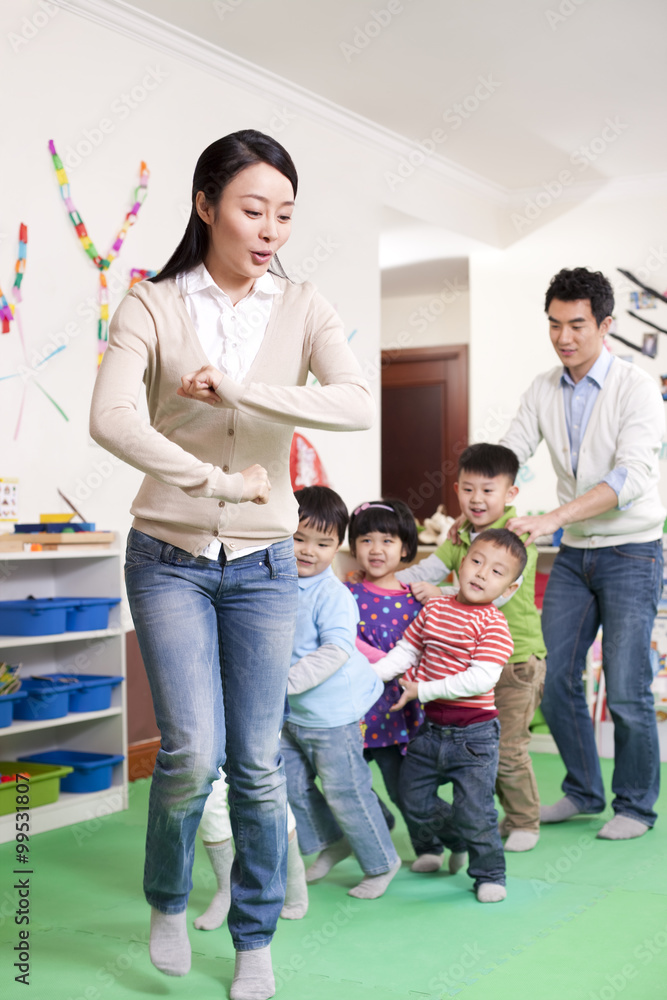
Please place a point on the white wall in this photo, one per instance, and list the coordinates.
(509, 336)
(117, 101)
(441, 318)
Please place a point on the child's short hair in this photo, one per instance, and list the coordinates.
(503, 538)
(323, 509)
(390, 517)
(489, 460)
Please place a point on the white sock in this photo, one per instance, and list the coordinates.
(622, 828)
(521, 840)
(253, 975)
(491, 892)
(221, 857)
(327, 858)
(559, 811)
(296, 895)
(457, 860)
(427, 863)
(169, 943)
(373, 886)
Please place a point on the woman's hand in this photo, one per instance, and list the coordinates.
(201, 385)
(256, 485)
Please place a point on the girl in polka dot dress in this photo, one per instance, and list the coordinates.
(382, 535)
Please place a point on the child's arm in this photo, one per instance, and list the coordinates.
(432, 570)
(372, 653)
(315, 668)
(399, 659)
(479, 678)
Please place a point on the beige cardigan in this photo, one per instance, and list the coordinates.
(193, 453)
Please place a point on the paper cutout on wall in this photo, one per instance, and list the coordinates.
(101, 263)
(305, 466)
(138, 274)
(13, 312)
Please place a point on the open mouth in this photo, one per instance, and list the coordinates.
(261, 256)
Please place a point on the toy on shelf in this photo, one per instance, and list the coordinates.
(434, 531)
(101, 263)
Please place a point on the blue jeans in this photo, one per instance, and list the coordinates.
(618, 588)
(348, 807)
(468, 757)
(216, 640)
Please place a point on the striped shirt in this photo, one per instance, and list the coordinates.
(451, 636)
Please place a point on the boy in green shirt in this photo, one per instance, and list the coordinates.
(486, 490)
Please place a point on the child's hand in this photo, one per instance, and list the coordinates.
(453, 533)
(201, 385)
(355, 576)
(410, 689)
(424, 591)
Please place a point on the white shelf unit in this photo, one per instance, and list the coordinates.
(99, 651)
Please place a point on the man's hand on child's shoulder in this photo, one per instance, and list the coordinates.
(410, 689)
(355, 576)
(424, 591)
(453, 533)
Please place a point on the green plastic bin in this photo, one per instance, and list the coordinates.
(44, 783)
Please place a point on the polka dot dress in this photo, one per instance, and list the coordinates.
(384, 615)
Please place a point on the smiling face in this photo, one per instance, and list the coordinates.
(314, 548)
(247, 227)
(379, 556)
(483, 498)
(575, 335)
(487, 572)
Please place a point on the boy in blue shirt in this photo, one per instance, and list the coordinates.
(330, 688)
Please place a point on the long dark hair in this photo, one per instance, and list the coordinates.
(217, 165)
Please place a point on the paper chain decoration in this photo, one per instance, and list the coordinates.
(140, 274)
(13, 312)
(7, 311)
(101, 263)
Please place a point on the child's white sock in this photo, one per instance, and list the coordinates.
(169, 947)
(327, 858)
(521, 840)
(253, 975)
(559, 812)
(373, 886)
(427, 863)
(457, 860)
(296, 895)
(221, 857)
(491, 892)
(622, 828)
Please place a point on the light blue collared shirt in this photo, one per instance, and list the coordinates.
(579, 398)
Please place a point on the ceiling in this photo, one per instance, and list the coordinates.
(534, 80)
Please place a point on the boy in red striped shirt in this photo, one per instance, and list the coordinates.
(451, 657)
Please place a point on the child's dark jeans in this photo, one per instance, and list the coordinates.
(468, 757)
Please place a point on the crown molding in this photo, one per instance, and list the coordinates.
(122, 17)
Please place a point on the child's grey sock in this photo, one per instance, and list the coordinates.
(490, 892)
(296, 895)
(427, 863)
(521, 840)
(457, 860)
(622, 828)
(169, 943)
(559, 811)
(373, 886)
(327, 858)
(253, 975)
(221, 857)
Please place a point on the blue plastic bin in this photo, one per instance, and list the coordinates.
(91, 771)
(34, 616)
(46, 699)
(86, 613)
(7, 707)
(92, 692)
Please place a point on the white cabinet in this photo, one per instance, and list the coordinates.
(65, 574)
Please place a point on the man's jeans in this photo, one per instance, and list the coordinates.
(216, 640)
(348, 807)
(618, 588)
(468, 757)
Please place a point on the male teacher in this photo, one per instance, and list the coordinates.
(603, 421)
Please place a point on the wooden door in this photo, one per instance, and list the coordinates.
(424, 425)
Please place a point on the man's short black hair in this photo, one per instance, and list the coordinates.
(489, 460)
(323, 509)
(580, 283)
(503, 538)
(390, 517)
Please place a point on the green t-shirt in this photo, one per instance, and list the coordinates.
(522, 616)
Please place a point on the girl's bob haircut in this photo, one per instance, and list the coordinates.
(389, 517)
